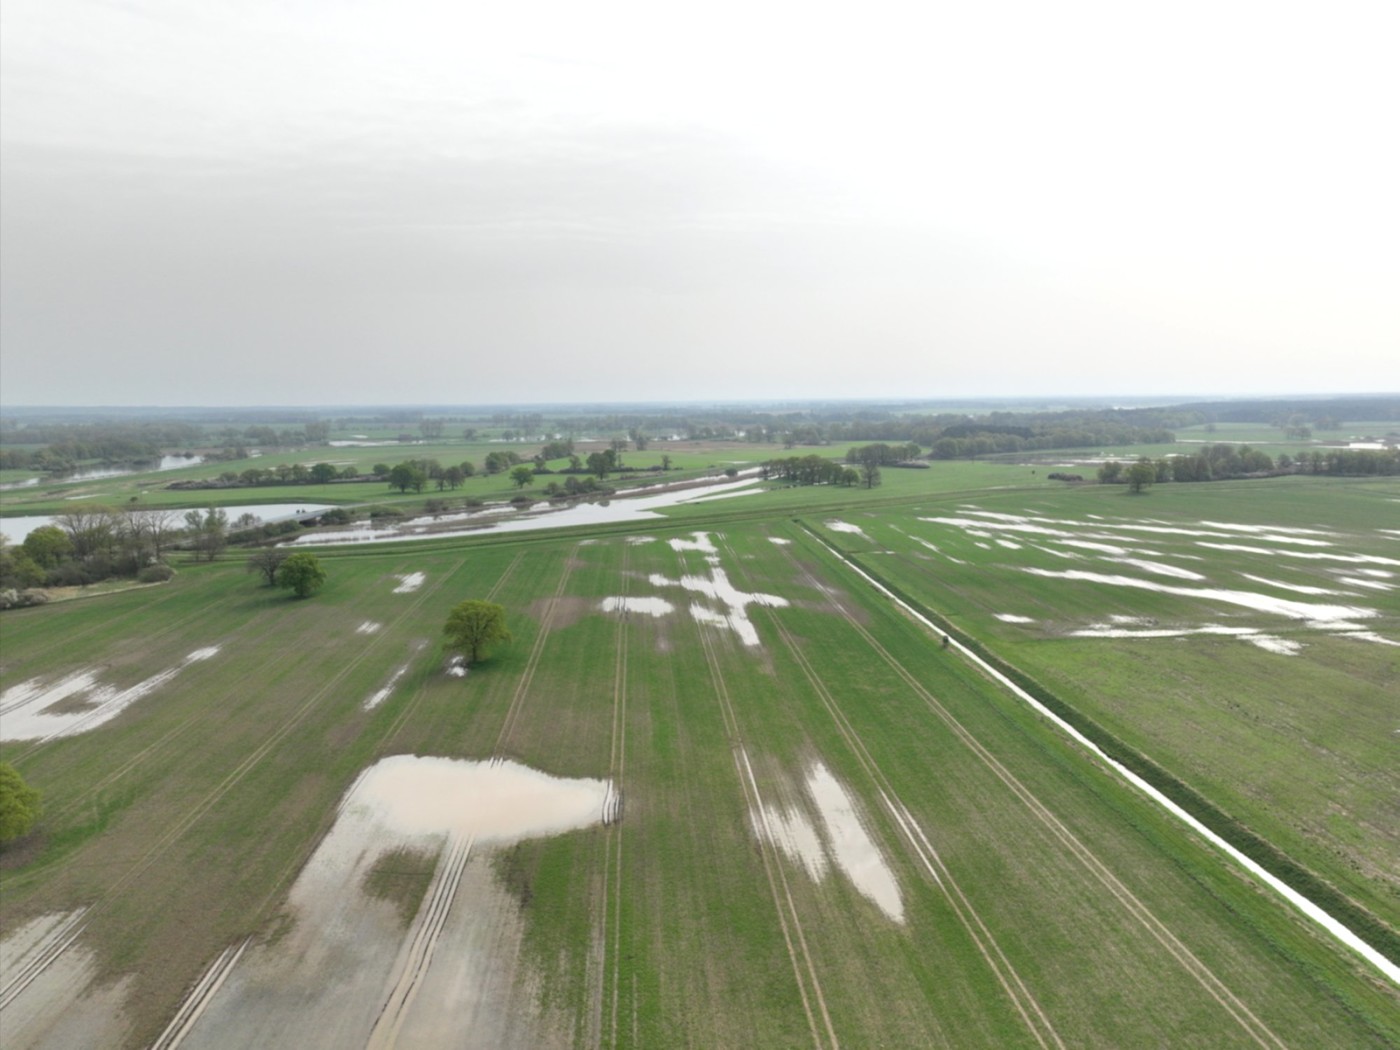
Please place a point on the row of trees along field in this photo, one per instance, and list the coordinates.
(415, 474)
(864, 469)
(63, 447)
(1222, 461)
(420, 473)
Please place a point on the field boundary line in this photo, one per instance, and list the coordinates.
(749, 786)
(1309, 908)
(1134, 906)
(612, 859)
(1212, 984)
(1020, 996)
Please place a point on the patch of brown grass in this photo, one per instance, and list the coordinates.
(401, 876)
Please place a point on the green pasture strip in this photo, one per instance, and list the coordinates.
(149, 489)
(1259, 433)
(693, 885)
(1038, 902)
(563, 727)
(531, 864)
(923, 592)
(900, 983)
(185, 820)
(1297, 747)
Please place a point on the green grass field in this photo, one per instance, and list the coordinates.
(1042, 903)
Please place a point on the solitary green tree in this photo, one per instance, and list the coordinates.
(406, 476)
(302, 573)
(1141, 474)
(19, 804)
(522, 476)
(473, 626)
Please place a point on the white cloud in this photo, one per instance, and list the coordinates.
(1067, 195)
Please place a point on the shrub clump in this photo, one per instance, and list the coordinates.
(19, 804)
(16, 599)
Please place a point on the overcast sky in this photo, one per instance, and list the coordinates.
(356, 201)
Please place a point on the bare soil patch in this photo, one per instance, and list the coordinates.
(568, 609)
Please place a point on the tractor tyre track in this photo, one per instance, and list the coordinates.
(1204, 976)
(1031, 1013)
(411, 708)
(517, 701)
(421, 943)
(777, 879)
(612, 857)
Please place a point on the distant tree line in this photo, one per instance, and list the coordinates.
(884, 455)
(1320, 413)
(1218, 462)
(65, 447)
(809, 470)
(843, 423)
(282, 474)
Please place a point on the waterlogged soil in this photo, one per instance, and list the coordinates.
(402, 877)
(1143, 568)
(727, 606)
(630, 507)
(414, 837)
(822, 829)
(77, 703)
(49, 1001)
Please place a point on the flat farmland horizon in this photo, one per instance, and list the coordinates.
(799, 816)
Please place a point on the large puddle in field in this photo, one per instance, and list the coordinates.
(834, 835)
(1307, 611)
(621, 509)
(76, 703)
(351, 969)
(489, 802)
(729, 605)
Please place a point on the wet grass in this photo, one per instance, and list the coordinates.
(1297, 747)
